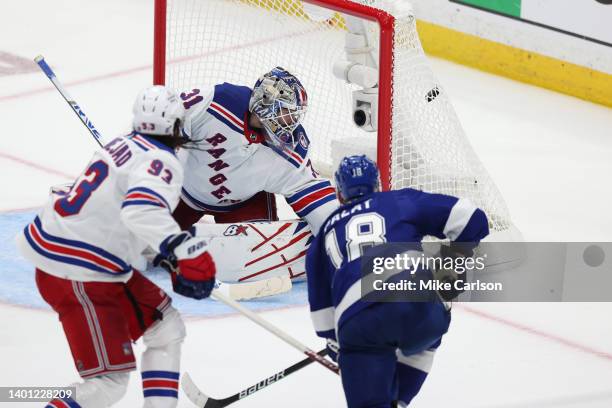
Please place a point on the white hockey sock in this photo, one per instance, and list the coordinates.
(102, 391)
(161, 361)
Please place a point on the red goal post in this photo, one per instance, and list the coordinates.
(386, 23)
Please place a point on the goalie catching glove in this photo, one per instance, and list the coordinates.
(191, 267)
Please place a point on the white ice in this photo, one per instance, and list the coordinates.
(550, 155)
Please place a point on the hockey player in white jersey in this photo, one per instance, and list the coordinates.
(251, 145)
(84, 245)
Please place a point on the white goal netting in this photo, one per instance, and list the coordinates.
(214, 41)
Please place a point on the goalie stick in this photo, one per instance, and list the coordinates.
(40, 60)
(276, 331)
(202, 400)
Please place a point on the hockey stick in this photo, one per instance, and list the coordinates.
(202, 400)
(40, 60)
(276, 331)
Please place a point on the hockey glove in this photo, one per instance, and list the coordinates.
(166, 258)
(195, 270)
(191, 267)
(456, 251)
(332, 349)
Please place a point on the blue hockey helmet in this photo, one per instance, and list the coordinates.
(357, 176)
(280, 102)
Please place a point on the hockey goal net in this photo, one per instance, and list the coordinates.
(419, 141)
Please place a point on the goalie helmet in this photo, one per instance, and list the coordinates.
(357, 176)
(280, 102)
(156, 112)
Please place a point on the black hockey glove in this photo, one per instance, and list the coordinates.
(332, 349)
(457, 251)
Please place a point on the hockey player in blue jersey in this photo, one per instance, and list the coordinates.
(385, 350)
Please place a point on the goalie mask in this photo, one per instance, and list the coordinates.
(280, 102)
(159, 112)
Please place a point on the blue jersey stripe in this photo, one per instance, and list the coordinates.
(316, 204)
(127, 203)
(82, 245)
(284, 155)
(143, 147)
(150, 139)
(148, 191)
(156, 143)
(68, 260)
(223, 119)
(291, 160)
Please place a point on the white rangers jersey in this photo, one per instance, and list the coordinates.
(233, 162)
(120, 205)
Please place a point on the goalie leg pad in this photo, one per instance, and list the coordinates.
(253, 251)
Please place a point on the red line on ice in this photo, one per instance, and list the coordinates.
(524, 328)
(149, 67)
(36, 165)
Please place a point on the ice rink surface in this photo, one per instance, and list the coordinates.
(550, 155)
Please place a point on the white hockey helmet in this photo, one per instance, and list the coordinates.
(156, 111)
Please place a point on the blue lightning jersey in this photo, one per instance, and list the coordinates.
(333, 262)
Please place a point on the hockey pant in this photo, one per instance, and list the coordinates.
(260, 207)
(100, 321)
(386, 351)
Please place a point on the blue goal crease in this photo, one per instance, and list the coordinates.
(17, 285)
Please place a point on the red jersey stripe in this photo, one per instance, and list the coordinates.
(311, 198)
(145, 196)
(72, 251)
(228, 115)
